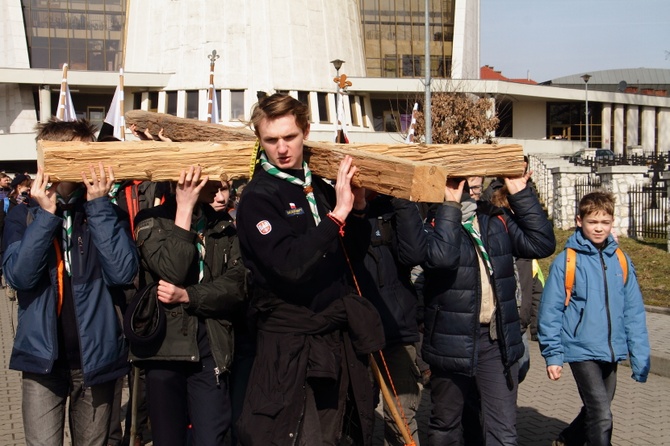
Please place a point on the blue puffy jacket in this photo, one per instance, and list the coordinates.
(605, 319)
(452, 289)
(104, 256)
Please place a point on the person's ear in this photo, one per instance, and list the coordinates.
(579, 221)
(306, 133)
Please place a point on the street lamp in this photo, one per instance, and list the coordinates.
(586, 78)
(337, 63)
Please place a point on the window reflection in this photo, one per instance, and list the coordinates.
(86, 34)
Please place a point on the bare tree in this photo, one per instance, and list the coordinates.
(459, 118)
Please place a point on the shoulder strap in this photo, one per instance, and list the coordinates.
(570, 267)
(624, 264)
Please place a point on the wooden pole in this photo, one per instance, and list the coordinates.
(390, 404)
(60, 111)
(122, 119)
(212, 60)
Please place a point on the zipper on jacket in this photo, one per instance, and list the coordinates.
(607, 305)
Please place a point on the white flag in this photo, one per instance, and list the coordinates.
(341, 118)
(115, 117)
(410, 132)
(67, 113)
(215, 107)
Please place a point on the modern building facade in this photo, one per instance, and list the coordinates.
(288, 45)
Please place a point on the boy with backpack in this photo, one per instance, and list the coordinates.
(592, 316)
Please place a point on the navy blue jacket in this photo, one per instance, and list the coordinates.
(452, 287)
(104, 256)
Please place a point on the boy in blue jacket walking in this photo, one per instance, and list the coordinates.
(600, 323)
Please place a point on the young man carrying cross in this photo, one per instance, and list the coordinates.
(290, 223)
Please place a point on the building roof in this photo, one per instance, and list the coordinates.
(488, 73)
(630, 80)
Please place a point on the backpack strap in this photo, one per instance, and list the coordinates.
(624, 264)
(6, 208)
(570, 267)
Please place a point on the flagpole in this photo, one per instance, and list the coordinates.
(212, 60)
(122, 118)
(60, 111)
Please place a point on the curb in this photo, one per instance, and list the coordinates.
(659, 310)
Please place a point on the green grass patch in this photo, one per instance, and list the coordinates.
(651, 261)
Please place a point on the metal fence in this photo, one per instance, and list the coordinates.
(648, 210)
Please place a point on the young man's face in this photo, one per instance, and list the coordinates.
(596, 227)
(5, 182)
(282, 140)
(475, 185)
(222, 197)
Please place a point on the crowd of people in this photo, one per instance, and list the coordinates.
(276, 316)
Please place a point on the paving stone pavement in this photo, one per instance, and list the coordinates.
(641, 411)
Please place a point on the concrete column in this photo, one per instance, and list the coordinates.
(181, 103)
(619, 180)
(606, 126)
(618, 117)
(314, 106)
(663, 125)
(632, 124)
(565, 202)
(45, 103)
(648, 136)
(162, 102)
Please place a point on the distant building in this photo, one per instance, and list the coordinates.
(288, 46)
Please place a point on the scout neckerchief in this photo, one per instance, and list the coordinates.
(68, 212)
(200, 244)
(114, 193)
(469, 226)
(306, 185)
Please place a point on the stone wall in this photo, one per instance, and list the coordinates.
(556, 180)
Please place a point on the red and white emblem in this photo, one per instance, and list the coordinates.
(264, 227)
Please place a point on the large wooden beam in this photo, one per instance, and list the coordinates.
(160, 161)
(182, 129)
(462, 160)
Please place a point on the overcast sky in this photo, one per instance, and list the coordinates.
(546, 39)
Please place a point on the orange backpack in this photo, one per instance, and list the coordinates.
(571, 266)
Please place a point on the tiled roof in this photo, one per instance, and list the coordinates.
(490, 74)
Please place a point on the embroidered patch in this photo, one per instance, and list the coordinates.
(292, 205)
(294, 212)
(264, 227)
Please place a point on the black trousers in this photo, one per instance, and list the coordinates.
(180, 393)
(498, 402)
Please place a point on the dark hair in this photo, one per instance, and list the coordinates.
(276, 106)
(55, 130)
(597, 201)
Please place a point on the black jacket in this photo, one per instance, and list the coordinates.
(169, 252)
(452, 287)
(299, 274)
(398, 243)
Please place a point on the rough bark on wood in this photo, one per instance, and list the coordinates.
(182, 129)
(461, 160)
(160, 161)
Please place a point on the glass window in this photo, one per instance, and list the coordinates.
(192, 104)
(236, 105)
(322, 99)
(303, 96)
(171, 98)
(153, 101)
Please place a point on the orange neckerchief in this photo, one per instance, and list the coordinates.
(60, 269)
